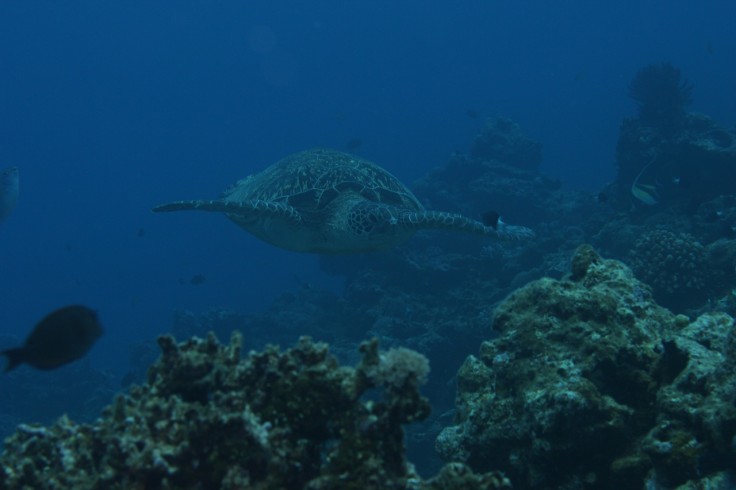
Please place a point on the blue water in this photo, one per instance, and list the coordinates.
(109, 108)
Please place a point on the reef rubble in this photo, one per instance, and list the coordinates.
(273, 420)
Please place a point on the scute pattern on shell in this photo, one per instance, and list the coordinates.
(310, 180)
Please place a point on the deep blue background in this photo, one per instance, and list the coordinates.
(109, 108)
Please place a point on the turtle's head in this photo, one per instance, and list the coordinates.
(375, 225)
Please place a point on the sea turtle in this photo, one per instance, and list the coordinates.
(326, 201)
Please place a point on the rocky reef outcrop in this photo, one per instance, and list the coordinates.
(273, 420)
(591, 384)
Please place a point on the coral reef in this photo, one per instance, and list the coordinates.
(675, 265)
(716, 219)
(474, 185)
(587, 359)
(591, 385)
(689, 167)
(207, 419)
(683, 159)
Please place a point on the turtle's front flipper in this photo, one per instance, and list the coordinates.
(199, 205)
(246, 209)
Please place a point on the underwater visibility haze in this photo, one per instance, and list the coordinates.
(596, 351)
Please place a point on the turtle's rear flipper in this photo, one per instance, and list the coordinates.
(511, 232)
(440, 220)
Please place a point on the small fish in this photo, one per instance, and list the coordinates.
(472, 114)
(197, 279)
(646, 193)
(141, 233)
(354, 144)
(63, 336)
(8, 191)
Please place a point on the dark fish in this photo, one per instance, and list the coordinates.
(141, 233)
(8, 191)
(63, 336)
(602, 197)
(472, 114)
(197, 279)
(491, 218)
(354, 144)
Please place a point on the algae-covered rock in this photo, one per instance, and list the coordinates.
(592, 385)
(273, 420)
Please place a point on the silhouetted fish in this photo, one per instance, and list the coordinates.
(8, 191)
(198, 279)
(354, 144)
(472, 114)
(63, 336)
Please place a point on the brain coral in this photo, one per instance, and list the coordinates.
(675, 266)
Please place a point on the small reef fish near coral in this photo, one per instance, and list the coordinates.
(646, 193)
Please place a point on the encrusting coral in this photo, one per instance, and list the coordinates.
(274, 420)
